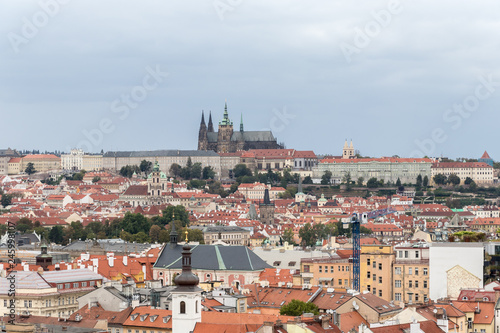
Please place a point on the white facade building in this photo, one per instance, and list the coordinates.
(453, 266)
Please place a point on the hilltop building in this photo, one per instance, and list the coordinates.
(226, 140)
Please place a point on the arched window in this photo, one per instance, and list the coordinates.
(183, 307)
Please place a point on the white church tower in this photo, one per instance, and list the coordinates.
(186, 297)
(348, 150)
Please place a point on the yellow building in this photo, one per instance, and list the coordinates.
(327, 272)
(376, 270)
(411, 273)
(41, 162)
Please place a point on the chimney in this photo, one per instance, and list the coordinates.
(125, 260)
(111, 261)
(415, 327)
(325, 322)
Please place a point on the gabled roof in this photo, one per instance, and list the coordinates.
(212, 257)
(486, 156)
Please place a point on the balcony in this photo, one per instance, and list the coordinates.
(307, 275)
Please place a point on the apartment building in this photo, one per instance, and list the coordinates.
(411, 273)
(376, 270)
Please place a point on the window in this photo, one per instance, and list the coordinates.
(368, 275)
(67, 285)
(368, 261)
(409, 271)
(84, 284)
(374, 277)
(416, 254)
(343, 268)
(4, 303)
(196, 307)
(374, 264)
(425, 283)
(416, 297)
(416, 283)
(75, 285)
(397, 283)
(380, 293)
(183, 307)
(379, 279)
(374, 291)
(400, 254)
(340, 282)
(416, 270)
(306, 269)
(397, 296)
(397, 270)
(346, 282)
(380, 267)
(331, 269)
(320, 270)
(425, 271)
(60, 286)
(410, 284)
(368, 287)
(406, 254)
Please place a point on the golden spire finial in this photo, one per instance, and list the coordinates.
(186, 236)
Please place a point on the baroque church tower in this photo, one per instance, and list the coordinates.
(186, 297)
(348, 151)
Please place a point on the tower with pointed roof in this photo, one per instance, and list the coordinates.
(486, 159)
(348, 150)
(202, 134)
(186, 297)
(266, 208)
(226, 140)
(225, 133)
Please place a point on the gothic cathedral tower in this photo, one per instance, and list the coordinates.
(225, 133)
(202, 134)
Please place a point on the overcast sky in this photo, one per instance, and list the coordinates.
(385, 73)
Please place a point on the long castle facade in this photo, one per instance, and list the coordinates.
(226, 140)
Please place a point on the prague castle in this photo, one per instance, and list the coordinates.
(226, 140)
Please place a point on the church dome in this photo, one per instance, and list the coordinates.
(187, 278)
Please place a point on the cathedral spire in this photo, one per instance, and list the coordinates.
(210, 124)
(202, 118)
(241, 123)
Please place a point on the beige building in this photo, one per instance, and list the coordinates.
(256, 191)
(5, 156)
(479, 172)
(327, 272)
(49, 293)
(386, 168)
(411, 273)
(41, 163)
(228, 235)
(375, 270)
(77, 160)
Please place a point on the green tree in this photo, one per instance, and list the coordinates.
(196, 171)
(372, 183)
(326, 178)
(140, 237)
(96, 179)
(288, 236)
(307, 180)
(146, 166)
(453, 179)
(419, 181)
(361, 181)
(425, 182)
(154, 233)
(128, 170)
(468, 181)
(398, 182)
(30, 169)
(164, 236)
(56, 234)
(440, 179)
(6, 200)
(180, 215)
(241, 170)
(134, 223)
(175, 170)
(298, 308)
(24, 225)
(208, 173)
